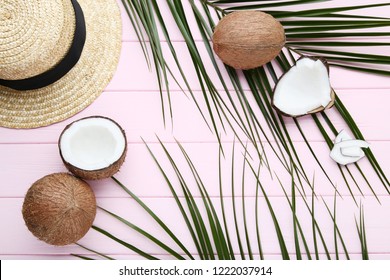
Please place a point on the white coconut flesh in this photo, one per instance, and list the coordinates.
(304, 88)
(92, 143)
(347, 150)
(352, 151)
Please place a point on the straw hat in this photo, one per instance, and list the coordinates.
(56, 57)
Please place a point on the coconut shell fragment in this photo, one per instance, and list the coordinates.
(304, 89)
(248, 39)
(100, 174)
(93, 148)
(59, 209)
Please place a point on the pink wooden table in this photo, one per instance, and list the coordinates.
(133, 100)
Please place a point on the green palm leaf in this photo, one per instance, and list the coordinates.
(211, 234)
(308, 32)
(242, 115)
(361, 229)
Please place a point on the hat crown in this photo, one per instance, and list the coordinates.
(35, 35)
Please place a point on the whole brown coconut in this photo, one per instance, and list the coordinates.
(248, 39)
(59, 209)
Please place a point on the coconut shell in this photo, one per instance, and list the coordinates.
(97, 174)
(59, 209)
(248, 39)
(319, 109)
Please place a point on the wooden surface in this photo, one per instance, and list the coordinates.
(133, 100)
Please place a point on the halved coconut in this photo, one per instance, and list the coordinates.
(304, 89)
(59, 209)
(93, 148)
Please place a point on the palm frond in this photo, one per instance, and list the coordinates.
(223, 109)
(125, 244)
(211, 237)
(337, 233)
(253, 121)
(153, 215)
(361, 229)
(145, 234)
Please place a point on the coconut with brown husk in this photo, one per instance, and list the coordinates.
(59, 209)
(304, 89)
(93, 148)
(248, 39)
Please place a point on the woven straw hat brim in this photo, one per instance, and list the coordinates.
(81, 85)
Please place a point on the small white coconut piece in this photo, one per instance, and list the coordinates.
(93, 148)
(342, 136)
(304, 89)
(353, 151)
(347, 150)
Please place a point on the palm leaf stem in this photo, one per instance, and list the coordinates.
(313, 221)
(95, 252)
(282, 243)
(338, 233)
(326, 11)
(134, 16)
(222, 248)
(174, 55)
(195, 231)
(240, 246)
(294, 214)
(82, 257)
(298, 231)
(313, 153)
(361, 229)
(152, 214)
(334, 227)
(221, 196)
(268, 5)
(144, 233)
(315, 225)
(257, 217)
(336, 44)
(314, 35)
(125, 244)
(248, 244)
(147, 20)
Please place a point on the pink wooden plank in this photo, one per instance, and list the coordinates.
(132, 99)
(36, 161)
(134, 74)
(130, 35)
(60, 257)
(141, 116)
(377, 228)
